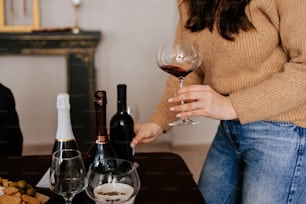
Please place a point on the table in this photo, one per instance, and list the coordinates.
(165, 178)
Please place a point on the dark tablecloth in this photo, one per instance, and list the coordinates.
(165, 178)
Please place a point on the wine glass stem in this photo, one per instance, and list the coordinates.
(68, 200)
(181, 84)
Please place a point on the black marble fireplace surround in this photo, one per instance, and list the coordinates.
(79, 51)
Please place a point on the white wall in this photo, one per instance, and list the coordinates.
(131, 31)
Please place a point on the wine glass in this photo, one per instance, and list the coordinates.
(113, 181)
(179, 59)
(67, 174)
(133, 111)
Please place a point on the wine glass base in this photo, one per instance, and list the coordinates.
(186, 121)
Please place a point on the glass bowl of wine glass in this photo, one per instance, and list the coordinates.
(112, 181)
(179, 59)
(67, 174)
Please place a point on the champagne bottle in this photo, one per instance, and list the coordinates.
(64, 136)
(122, 127)
(101, 148)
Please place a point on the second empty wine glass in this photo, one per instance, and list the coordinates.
(133, 110)
(179, 59)
(67, 174)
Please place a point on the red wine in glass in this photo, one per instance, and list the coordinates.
(175, 70)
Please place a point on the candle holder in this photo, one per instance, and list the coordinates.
(76, 4)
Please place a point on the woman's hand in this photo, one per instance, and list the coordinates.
(202, 100)
(146, 132)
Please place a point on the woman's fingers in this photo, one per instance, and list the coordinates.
(202, 100)
(146, 133)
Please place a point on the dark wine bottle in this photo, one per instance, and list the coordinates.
(101, 148)
(122, 127)
(64, 135)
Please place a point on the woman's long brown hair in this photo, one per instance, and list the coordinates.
(229, 16)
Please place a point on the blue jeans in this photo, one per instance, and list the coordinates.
(255, 163)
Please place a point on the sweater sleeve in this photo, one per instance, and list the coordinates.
(162, 114)
(285, 91)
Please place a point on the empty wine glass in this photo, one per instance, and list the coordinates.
(67, 174)
(132, 110)
(113, 181)
(179, 59)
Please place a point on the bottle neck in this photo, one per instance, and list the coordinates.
(121, 99)
(101, 128)
(102, 140)
(121, 106)
(64, 128)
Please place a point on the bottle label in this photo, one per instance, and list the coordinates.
(102, 140)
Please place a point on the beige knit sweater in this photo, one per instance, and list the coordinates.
(263, 71)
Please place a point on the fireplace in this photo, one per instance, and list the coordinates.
(79, 52)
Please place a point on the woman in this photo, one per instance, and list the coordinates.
(253, 79)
